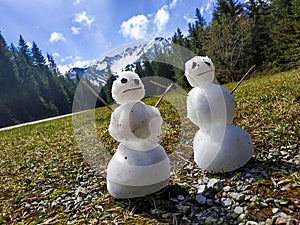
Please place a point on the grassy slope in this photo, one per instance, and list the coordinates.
(37, 157)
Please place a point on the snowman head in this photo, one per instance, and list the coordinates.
(199, 70)
(128, 87)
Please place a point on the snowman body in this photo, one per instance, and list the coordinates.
(140, 165)
(218, 145)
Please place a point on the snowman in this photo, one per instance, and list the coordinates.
(218, 145)
(140, 165)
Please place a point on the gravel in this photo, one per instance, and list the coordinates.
(199, 197)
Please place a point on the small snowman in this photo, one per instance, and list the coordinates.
(140, 165)
(218, 145)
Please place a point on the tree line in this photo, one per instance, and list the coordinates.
(265, 33)
(31, 86)
(261, 32)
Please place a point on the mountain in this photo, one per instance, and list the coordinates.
(119, 59)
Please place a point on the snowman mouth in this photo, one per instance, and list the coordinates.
(131, 89)
(204, 72)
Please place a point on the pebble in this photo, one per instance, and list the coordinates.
(237, 196)
(275, 210)
(201, 199)
(238, 210)
(201, 188)
(180, 197)
(226, 201)
(251, 223)
(263, 204)
(221, 200)
(227, 188)
(211, 219)
(215, 184)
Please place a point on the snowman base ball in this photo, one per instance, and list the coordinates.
(132, 173)
(222, 148)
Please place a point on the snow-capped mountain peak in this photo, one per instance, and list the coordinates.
(119, 59)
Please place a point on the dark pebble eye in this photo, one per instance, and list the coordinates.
(207, 63)
(194, 65)
(123, 80)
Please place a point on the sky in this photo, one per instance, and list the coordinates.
(78, 32)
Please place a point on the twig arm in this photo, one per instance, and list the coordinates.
(246, 74)
(163, 95)
(95, 93)
(163, 86)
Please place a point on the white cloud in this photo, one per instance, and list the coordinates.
(135, 27)
(173, 4)
(83, 18)
(55, 54)
(55, 37)
(161, 18)
(76, 62)
(76, 2)
(76, 30)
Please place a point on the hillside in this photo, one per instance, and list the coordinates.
(45, 178)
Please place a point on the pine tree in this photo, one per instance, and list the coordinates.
(227, 7)
(258, 13)
(284, 26)
(8, 78)
(197, 34)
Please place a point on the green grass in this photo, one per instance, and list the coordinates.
(37, 157)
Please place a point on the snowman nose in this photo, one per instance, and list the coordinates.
(136, 81)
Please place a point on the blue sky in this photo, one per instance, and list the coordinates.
(77, 32)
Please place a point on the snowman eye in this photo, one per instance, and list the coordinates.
(123, 80)
(194, 65)
(207, 63)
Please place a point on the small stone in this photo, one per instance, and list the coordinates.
(211, 219)
(251, 223)
(275, 210)
(237, 196)
(205, 180)
(263, 204)
(226, 202)
(238, 210)
(201, 188)
(166, 215)
(215, 184)
(286, 220)
(180, 197)
(280, 214)
(227, 188)
(242, 217)
(201, 199)
(269, 200)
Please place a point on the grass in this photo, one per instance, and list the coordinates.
(39, 157)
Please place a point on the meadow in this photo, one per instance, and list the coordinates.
(42, 166)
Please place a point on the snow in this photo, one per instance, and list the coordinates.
(140, 165)
(218, 146)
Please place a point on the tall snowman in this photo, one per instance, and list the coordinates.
(218, 145)
(140, 165)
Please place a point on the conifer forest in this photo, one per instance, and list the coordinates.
(265, 33)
